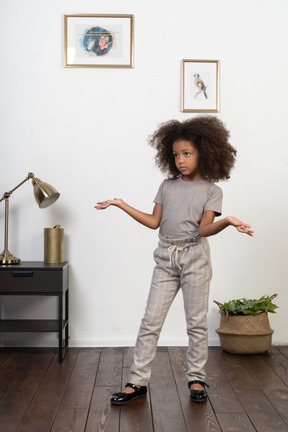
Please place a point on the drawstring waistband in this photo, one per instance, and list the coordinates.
(180, 242)
(175, 248)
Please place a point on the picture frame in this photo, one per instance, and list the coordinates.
(200, 85)
(98, 41)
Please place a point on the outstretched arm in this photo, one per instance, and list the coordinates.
(208, 227)
(150, 220)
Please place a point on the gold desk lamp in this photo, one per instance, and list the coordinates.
(45, 195)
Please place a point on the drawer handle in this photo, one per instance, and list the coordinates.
(22, 273)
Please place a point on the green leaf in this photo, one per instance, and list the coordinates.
(245, 306)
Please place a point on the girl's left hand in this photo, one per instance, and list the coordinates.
(241, 226)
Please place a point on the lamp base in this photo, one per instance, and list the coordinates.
(7, 258)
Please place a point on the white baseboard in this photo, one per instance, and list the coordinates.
(38, 341)
(49, 341)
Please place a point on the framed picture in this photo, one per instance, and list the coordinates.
(98, 41)
(200, 85)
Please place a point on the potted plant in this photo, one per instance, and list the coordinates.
(244, 325)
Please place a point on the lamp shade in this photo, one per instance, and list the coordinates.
(45, 194)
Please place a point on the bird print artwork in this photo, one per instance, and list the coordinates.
(200, 85)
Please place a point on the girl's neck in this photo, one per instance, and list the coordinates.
(193, 178)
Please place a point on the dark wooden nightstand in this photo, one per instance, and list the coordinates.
(38, 279)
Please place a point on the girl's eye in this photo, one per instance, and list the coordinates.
(187, 154)
(176, 155)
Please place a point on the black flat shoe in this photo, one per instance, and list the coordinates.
(121, 398)
(198, 395)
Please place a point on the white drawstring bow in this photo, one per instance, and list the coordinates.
(176, 249)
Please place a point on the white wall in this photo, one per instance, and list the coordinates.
(85, 132)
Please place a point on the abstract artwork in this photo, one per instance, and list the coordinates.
(98, 41)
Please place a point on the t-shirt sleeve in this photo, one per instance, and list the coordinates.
(214, 201)
(159, 196)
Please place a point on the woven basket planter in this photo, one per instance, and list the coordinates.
(245, 334)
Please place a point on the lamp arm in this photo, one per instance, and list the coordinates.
(44, 194)
(8, 194)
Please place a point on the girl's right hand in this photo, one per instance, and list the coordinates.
(101, 205)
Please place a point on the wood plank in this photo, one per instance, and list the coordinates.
(261, 412)
(70, 420)
(22, 392)
(128, 357)
(4, 354)
(42, 410)
(247, 393)
(80, 387)
(221, 393)
(136, 416)
(284, 350)
(235, 423)
(278, 362)
(110, 367)
(12, 369)
(269, 382)
(198, 417)
(102, 416)
(167, 412)
(89, 356)
(235, 370)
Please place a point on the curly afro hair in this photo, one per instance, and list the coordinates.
(208, 134)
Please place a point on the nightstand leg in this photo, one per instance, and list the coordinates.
(66, 319)
(60, 329)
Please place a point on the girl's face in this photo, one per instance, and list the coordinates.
(186, 159)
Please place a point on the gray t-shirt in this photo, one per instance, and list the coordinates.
(184, 203)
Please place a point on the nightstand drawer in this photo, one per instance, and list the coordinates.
(30, 281)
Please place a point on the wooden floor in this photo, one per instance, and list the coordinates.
(37, 394)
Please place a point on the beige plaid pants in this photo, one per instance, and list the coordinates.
(179, 264)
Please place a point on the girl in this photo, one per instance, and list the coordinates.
(194, 154)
